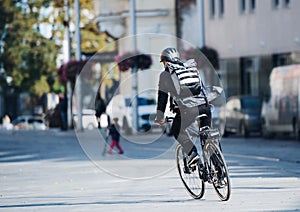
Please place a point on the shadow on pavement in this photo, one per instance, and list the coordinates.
(22, 146)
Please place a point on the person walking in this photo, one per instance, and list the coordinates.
(115, 137)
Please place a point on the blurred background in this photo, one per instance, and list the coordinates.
(39, 58)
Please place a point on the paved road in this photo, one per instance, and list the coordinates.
(53, 170)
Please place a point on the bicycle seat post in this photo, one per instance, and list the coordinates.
(199, 119)
(202, 133)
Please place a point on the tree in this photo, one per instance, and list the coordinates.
(27, 55)
(91, 42)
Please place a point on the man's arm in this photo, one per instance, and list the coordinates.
(161, 105)
(162, 98)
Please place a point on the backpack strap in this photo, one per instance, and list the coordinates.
(203, 90)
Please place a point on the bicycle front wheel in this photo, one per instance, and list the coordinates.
(218, 171)
(190, 176)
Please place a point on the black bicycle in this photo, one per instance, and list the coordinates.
(211, 167)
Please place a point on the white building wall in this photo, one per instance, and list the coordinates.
(264, 31)
(191, 26)
(155, 16)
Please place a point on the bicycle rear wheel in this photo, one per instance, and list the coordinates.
(218, 171)
(190, 177)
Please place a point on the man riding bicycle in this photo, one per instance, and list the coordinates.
(188, 98)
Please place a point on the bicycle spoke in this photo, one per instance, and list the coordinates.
(218, 171)
(191, 180)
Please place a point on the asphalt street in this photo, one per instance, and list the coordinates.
(67, 171)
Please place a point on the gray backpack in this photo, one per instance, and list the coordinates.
(188, 83)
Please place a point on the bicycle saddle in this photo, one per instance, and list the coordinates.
(201, 117)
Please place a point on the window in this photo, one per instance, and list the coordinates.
(275, 4)
(252, 5)
(212, 8)
(281, 59)
(242, 6)
(221, 7)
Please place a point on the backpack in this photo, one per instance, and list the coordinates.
(187, 82)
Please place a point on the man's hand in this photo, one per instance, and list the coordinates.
(160, 122)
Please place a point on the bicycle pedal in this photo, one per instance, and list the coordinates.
(193, 165)
(186, 170)
(204, 177)
(210, 181)
(221, 183)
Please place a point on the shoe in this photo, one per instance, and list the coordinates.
(221, 183)
(194, 158)
(203, 172)
(186, 170)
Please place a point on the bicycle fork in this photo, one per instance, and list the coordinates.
(213, 174)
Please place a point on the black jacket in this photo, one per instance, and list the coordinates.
(114, 133)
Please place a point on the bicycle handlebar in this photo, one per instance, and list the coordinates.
(169, 119)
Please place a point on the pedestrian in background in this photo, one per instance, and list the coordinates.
(63, 111)
(6, 123)
(115, 137)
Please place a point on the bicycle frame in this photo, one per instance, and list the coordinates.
(212, 167)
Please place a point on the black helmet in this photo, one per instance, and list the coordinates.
(169, 55)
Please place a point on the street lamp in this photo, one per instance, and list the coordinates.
(7, 79)
(3, 77)
(134, 69)
(67, 57)
(78, 57)
(2, 71)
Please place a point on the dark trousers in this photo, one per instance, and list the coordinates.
(184, 119)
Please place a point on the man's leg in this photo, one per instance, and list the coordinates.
(180, 123)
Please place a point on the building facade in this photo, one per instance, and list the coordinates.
(154, 18)
(252, 37)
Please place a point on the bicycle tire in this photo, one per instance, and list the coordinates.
(218, 170)
(192, 182)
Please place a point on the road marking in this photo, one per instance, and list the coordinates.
(254, 157)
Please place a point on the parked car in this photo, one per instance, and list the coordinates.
(28, 122)
(241, 115)
(281, 110)
(89, 119)
(215, 117)
(120, 107)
